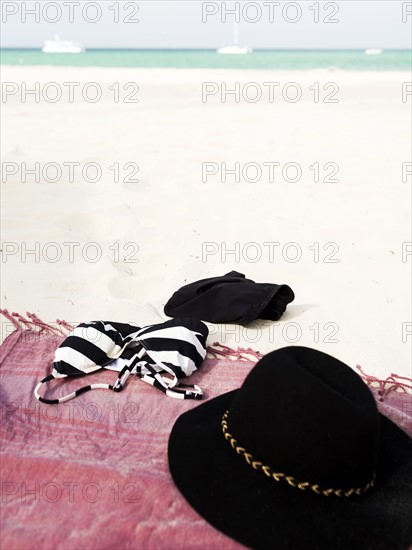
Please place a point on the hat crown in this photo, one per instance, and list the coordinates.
(305, 414)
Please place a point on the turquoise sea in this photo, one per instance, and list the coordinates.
(390, 60)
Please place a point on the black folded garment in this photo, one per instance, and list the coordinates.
(230, 299)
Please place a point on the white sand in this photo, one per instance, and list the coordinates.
(170, 212)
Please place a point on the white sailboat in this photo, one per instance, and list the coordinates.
(62, 46)
(373, 51)
(235, 48)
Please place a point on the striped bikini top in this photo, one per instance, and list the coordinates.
(159, 354)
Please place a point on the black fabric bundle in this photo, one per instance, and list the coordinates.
(230, 299)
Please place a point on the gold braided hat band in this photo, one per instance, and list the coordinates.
(279, 476)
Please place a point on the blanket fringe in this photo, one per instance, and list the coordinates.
(34, 323)
(241, 354)
(6, 314)
(64, 324)
(393, 383)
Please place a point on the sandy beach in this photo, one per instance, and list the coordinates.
(296, 177)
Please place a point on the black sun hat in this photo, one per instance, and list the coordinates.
(299, 458)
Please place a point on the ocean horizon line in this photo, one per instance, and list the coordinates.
(36, 48)
(273, 59)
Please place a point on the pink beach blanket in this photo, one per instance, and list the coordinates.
(92, 473)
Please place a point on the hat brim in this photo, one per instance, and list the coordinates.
(261, 513)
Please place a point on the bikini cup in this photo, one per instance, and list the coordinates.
(159, 354)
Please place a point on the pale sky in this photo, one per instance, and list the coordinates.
(198, 24)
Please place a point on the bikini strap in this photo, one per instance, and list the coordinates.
(170, 387)
(68, 396)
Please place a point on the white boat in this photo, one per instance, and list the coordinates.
(235, 48)
(373, 51)
(62, 46)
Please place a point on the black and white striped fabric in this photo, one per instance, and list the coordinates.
(159, 354)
